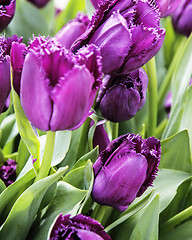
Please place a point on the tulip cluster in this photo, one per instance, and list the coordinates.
(78, 227)
(125, 169)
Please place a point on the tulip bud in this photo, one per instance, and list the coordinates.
(127, 32)
(7, 11)
(5, 84)
(100, 137)
(125, 169)
(8, 172)
(182, 18)
(167, 7)
(123, 96)
(78, 227)
(70, 32)
(39, 3)
(58, 88)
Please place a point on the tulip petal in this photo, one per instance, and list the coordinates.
(35, 99)
(72, 99)
(87, 235)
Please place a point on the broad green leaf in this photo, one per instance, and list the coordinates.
(70, 12)
(147, 226)
(65, 200)
(26, 207)
(25, 129)
(27, 21)
(22, 157)
(62, 142)
(175, 154)
(187, 116)
(9, 193)
(2, 186)
(6, 127)
(183, 231)
(179, 88)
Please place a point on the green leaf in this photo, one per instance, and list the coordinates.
(22, 157)
(2, 186)
(9, 193)
(70, 12)
(66, 199)
(25, 209)
(149, 230)
(183, 231)
(27, 21)
(175, 154)
(179, 88)
(6, 127)
(27, 134)
(187, 116)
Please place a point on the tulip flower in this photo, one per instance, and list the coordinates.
(125, 169)
(167, 7)
(182, 18)
(127, 32)
(78, 227)
(70, 32)
(39, 3)
(121, 97)
(5, 84)
(100, 137)
(7, 11)
(8, 172)
(58, 88)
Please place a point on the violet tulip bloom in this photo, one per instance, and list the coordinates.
(8, 172)
(167, 7)
(121, 97)
(39, 3)
(70, 32)
(127, 32)
(5, 83)
(125, 169)
(182, 18)
(7, 11)
(78, 227)
(58, 88)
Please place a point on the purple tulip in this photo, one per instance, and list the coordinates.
(100, 137)
(78, 227)
(39, 3)
(5, 84)
(70, 32)
(8, 172)
(167, 7)
(58, 88)
(121, 97)
(95, 3)
(7, 11)
(127, 32)
(125, 169)
(182, 18)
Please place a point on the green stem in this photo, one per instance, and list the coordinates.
(161, 128)
(152, 98)
(115, 130)
(83, 138)
(166, 83)
(47, 156)
(99, 212)
(177, 219)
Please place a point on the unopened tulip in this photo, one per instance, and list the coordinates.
(127, 32)
(182, 18)
(7, 11)
(70, 32)
(58, 88)
(78, 227)
(123, 96)
(125, 169)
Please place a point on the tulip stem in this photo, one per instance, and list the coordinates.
(99, 212)
(177, 219)
(47, 156)
(152, 97)
(115, 130)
